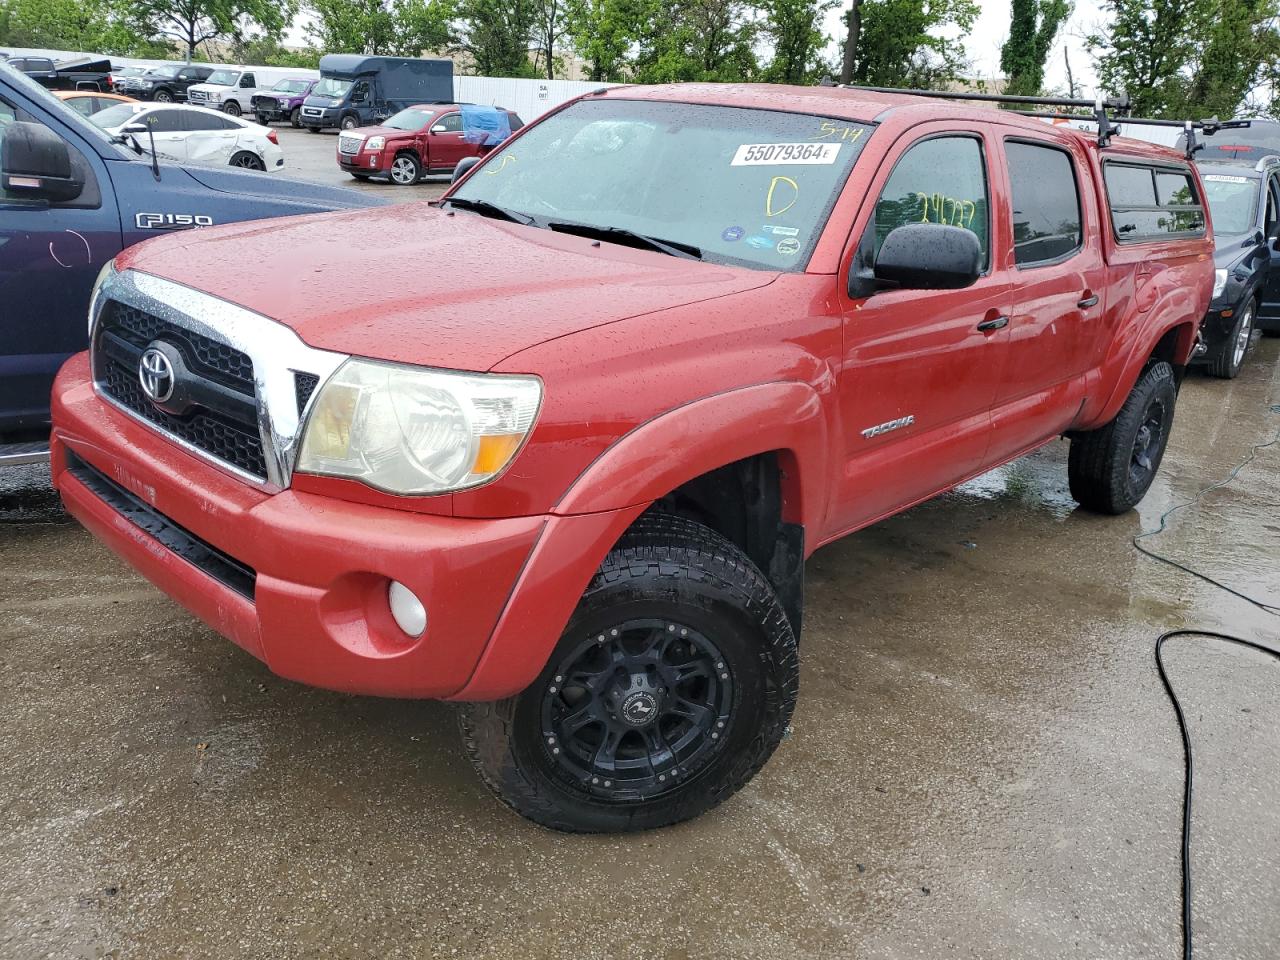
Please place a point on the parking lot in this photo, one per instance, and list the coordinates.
(311, 156)
(983, 763)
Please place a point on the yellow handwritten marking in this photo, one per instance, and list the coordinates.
(940, 208)
(502, 164)
(769, 210)
(829, 129)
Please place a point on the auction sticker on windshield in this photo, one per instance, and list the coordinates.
(766, 154)
(1222, 178)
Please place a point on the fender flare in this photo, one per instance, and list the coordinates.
(1130, 369)
(621, 484)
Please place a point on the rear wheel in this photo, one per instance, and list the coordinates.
(231, 108)
(672, 685)
(248, 161)
(1110, 469)
(405, 170)
(1231, 357)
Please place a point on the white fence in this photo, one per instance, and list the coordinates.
(528, 98)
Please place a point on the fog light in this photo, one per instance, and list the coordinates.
(410, 614)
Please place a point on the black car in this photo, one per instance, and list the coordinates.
(85, 73)
(1260, 139)
(168, 83)
(1244, 200)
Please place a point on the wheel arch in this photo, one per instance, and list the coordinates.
(1171, 342)
(749, 463)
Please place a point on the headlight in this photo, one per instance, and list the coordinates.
(214, 97)
(1219, 283)
(411, 430)
(375, 143)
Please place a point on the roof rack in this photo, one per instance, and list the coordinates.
(1108, 124)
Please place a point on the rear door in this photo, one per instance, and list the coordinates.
(921, 366)
(211, 139)
(1059, 282)
(51, 256)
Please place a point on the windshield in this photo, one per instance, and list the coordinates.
(332, 87)
(113, 117)
(411, 119)
(748, 187)
(164, 73)
(1233, 201)
(291, 86)
(224, 78)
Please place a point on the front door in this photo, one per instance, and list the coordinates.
(1269, 306)
(921, 366)
(448, 145)
(49, 258)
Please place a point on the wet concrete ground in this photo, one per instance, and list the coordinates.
(983, 762)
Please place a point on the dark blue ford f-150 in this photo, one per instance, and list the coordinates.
(71, 198)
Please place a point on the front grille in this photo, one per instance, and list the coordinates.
(304, 384)
(197, 96)
(349, 145)
(223, 567)
(224, 425)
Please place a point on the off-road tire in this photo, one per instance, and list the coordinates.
(670, 568)
(1099, 464)
(1225, 365)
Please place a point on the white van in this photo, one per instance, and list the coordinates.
(231, 89)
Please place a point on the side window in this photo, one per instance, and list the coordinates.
(452, 123)
(246, 80)
(165, 121)
(940, 180)
(360, 92)
(1273, 207)
(81, 105)
(1046, 203)
(1150, 203)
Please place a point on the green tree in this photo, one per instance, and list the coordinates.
(190, 23)
(795, 27)
(55, 24)
(1239, 51)
(602, 33)
(549, 24)
(1032, 29)
(351, 26)
(1145, 48)
(910, 43)
(497, 36)
(697, 40)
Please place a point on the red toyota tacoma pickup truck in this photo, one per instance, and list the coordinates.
(420, 140)
(565, 461)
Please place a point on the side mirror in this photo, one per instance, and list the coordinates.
(465, 164)
(35, 162)
(929, 256)
(439, 128)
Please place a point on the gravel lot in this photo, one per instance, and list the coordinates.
(983, 763)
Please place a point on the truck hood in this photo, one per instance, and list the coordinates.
(246, 183)
(413, 284)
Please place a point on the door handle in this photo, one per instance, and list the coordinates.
(1087, 302)
(995, 323)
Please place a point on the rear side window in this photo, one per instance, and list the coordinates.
(1046, 203)
(940, 180)
(1152, 202)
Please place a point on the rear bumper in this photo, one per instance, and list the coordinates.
(315, 606)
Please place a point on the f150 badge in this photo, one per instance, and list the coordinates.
(171, 221)
(891, 425)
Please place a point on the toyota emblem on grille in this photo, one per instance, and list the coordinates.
(155, 373)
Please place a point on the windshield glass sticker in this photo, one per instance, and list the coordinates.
(1223, 178)
(781, 231)
(779, 201)
(789, 246)
(732, 234)
(829, 130)
(775, 154)
(760, 243)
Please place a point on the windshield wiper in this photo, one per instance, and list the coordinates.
(673, 248)
(487, 209)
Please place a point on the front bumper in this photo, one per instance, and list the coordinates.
(309, 599)
(367, 163)
(1215, 330)
(321, 118)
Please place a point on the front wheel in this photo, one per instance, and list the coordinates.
(350, 122)
(1110, 469)
(672, 685)
(405, 170)
(231, 108)
(295, 117)
(164, 96)
(1230, 359)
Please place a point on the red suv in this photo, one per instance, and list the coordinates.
(564, 462)
(420, 140)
